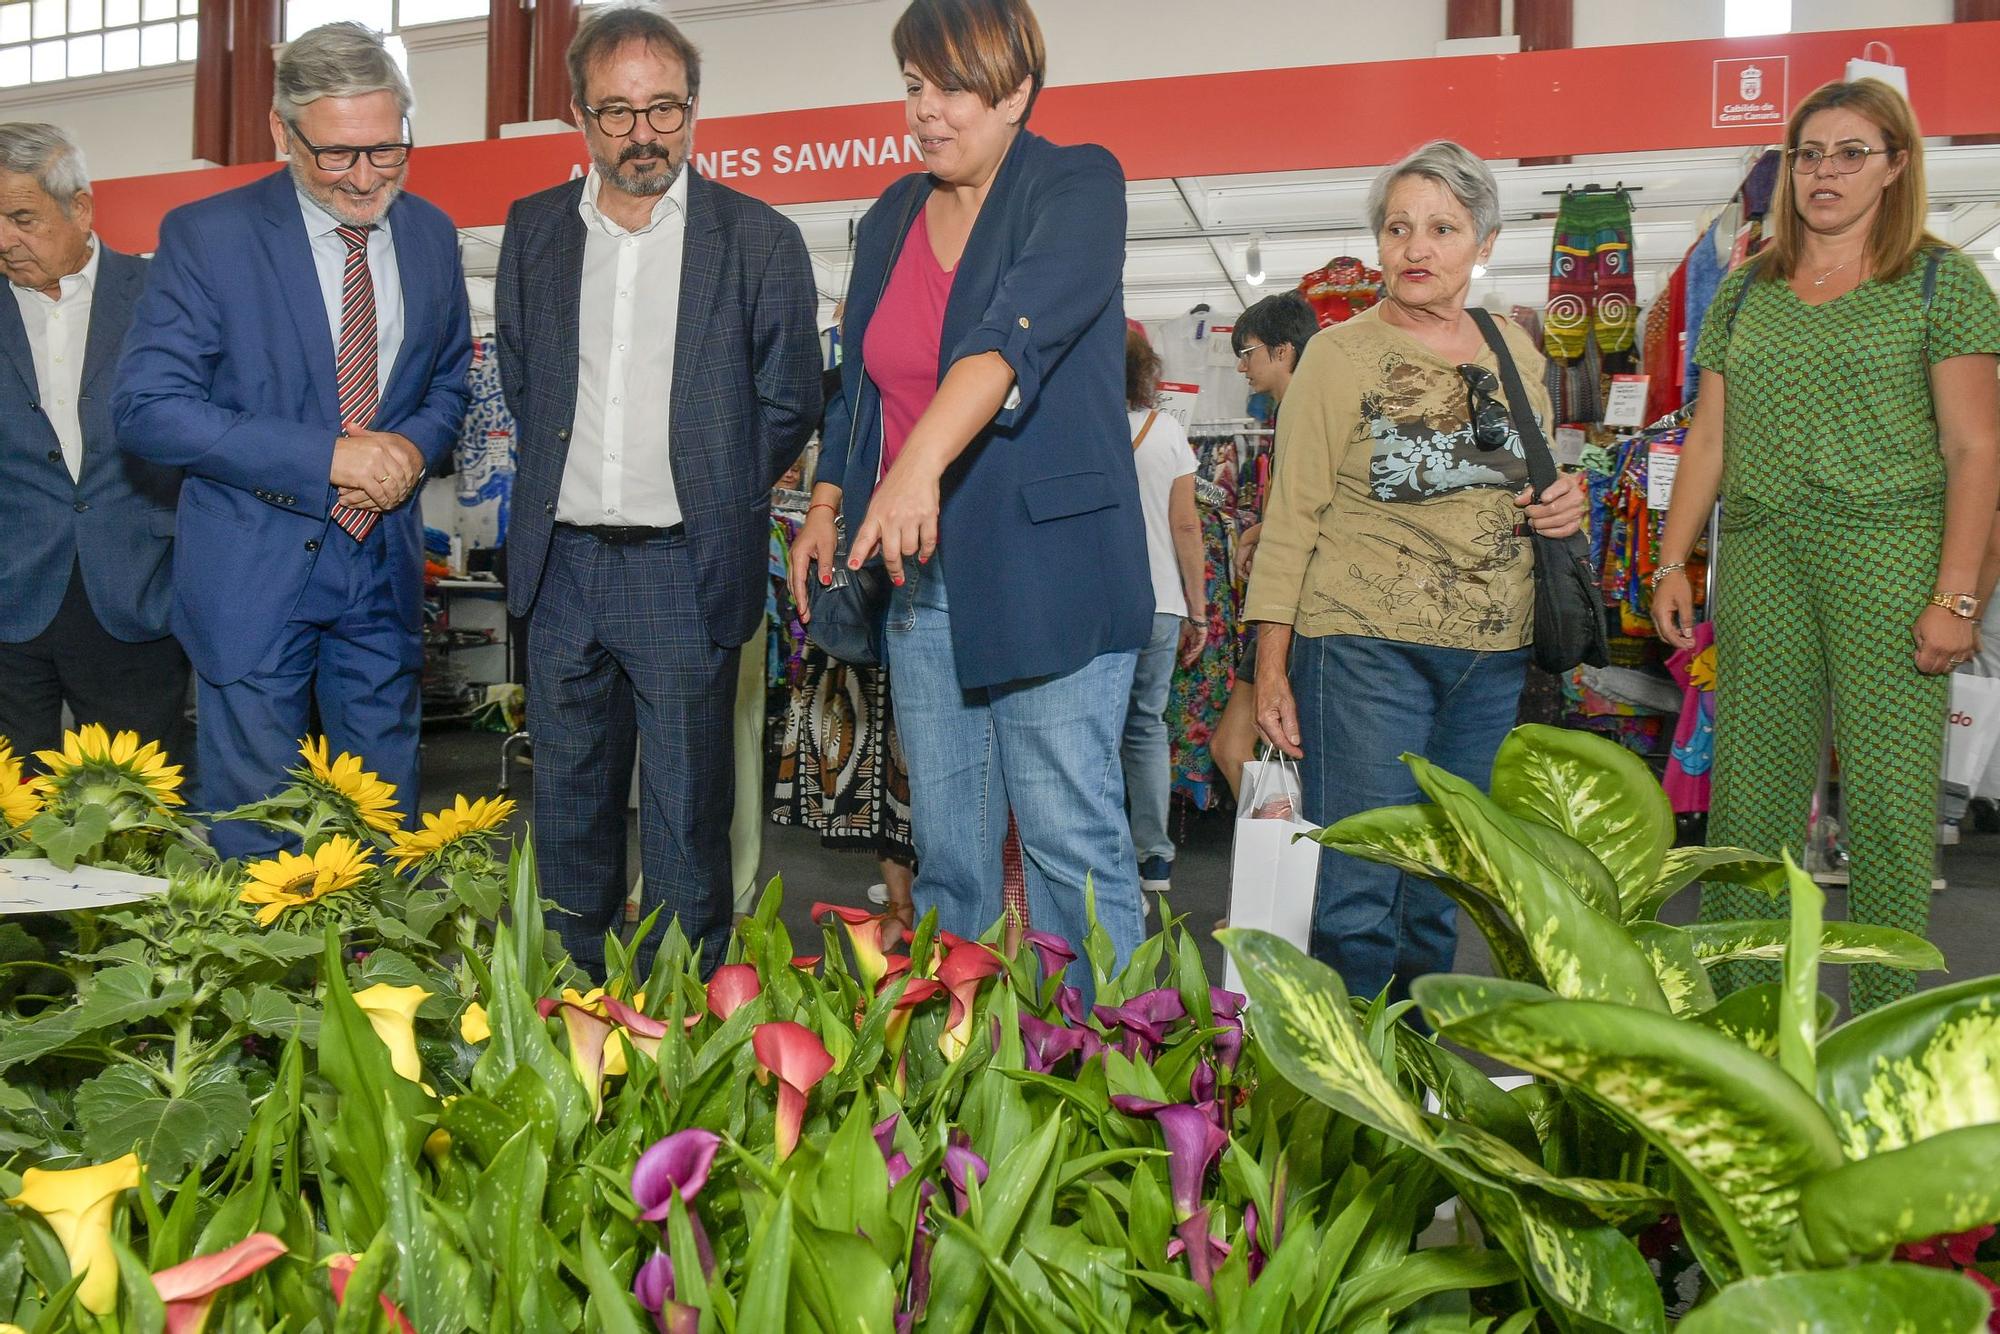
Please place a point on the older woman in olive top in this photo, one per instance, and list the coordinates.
(1394, 585)
(1848, 420)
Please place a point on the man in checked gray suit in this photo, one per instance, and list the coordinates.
(659, 353)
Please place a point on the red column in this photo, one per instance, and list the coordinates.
(1976, 11)
(254, 27)
(554, 25)
(211, 83)
(509, 44)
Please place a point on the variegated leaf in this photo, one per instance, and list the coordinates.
(1750, 1016)
(1580, 951)
(1682, 978)
(1924, 1065)
(1463, 1092)
(1681, 867)
(1839, 942)
(1449, 998)
(1575, 1261)
(1576, 864)
(1616, 1202)
(1880, 1298)
(1594, 790)
(1420, 841)
(1945, 1184)
(1744, 1133)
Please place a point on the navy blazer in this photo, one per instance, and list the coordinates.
(1041, 537)
(745, 395)
(117, 520)
(228, 374)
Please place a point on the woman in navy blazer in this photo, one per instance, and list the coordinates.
(1008, 517)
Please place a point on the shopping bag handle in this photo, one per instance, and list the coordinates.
(1266, 752)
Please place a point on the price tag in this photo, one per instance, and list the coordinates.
(1625, 405)
(1178, 400)
(33, 884)
(1662, 462)
(1570, 441)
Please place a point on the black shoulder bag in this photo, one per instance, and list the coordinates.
(1569, 607)
(848, 614)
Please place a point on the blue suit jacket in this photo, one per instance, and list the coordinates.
(228, 374)
(117, 519)
(745, 395)
(1041, 536)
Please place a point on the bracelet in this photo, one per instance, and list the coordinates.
(1653, 585)
(822, 505)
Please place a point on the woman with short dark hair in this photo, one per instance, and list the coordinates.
(978, 445)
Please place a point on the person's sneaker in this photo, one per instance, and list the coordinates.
(1155, 886)
(1156, 875)
(878, 895)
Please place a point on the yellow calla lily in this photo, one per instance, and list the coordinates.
(392, 1013)
(473, 1025)
(78, 1205)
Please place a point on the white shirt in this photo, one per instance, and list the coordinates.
(330, 261)
(1163, 458)
(58, 328)
(619, 471)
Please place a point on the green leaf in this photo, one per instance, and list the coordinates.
(114, 998)
(1924, 1065)
(1577, 865)
(1798, 1003)
(122, 1111)
(1421, 1274)
(1681, 867)
(1575, 1262)
(277, 1014)
(1839, 942)
(67, 842)
(1744, 1133)
(612, 1306)
(1682, 978)
(1616, 1202)
(1464, 1092)
(767, 1283)
(1420, 841)
(1908, 1299)
(1581, 952)
(1945, 1184)
(1750, 1016)
(1594, 790)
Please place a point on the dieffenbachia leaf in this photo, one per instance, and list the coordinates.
(1581, 952)
(1905, 1298)
(1616, 1202)
(1744, 1134)
(1679, 970)
(1750, 1016)
(1798, 1001)
(1945, 1184)
(1681, 867)
(1924, 1065)
(1595, 791)
(1839, 942)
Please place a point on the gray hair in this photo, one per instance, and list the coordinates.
(1457, 169)
(336, 60)
(32, 148)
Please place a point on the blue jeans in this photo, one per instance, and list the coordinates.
(1363, 703)
(1047, 749)
(1148, 770)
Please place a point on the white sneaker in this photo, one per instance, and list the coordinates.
(1155, 886)
(878, 895)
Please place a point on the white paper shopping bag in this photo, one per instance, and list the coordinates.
(1271, 876)
(1974, 733)
(1866, 66)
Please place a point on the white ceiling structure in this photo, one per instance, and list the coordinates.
(1188, 237)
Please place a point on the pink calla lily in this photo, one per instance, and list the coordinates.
(190, 1289)
(1047, 1043)
(589, 1038)
(341, 1268)
(795, 1054)
(864, 937)
(961, 1164)
(653, 1285)
(961, 972)
(733, 986)
(680, 1164)
(644, 1031)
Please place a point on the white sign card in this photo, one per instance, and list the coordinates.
(1569, 445)
(1662, 462)
(1625, 405)
(33, 884)
(1178, 400)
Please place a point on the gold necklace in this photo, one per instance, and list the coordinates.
(1821, 280)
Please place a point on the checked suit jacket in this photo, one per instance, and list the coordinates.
(745, 396)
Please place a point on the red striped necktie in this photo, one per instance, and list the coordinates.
(354, 364)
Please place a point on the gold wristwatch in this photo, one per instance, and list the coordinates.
(1962, 605)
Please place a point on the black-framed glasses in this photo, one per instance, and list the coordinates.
(1491, 427)
(337, 158)
(1846, 158)
(618, 121)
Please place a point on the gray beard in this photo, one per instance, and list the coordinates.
(639, 186)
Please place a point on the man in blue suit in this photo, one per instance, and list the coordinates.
(88, 531)
(301, 351)
(658, 350)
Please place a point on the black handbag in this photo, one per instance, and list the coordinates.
(1569, 608)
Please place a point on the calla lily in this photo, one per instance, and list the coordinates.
(77, 1204)
(645, 1031)
(341, 1268)
(1047, 1043)
(1227, 1007)
(1053, 951)
(805, 963)
(653, 1285)
(800, 1060)
(1194, 1142)
(1069, 1000)
(190, 1289)
(885, 1140)
(473, 1025)
(677, 1164)
(1201, 1084)
(1205, 1252)
(961, 1163)
(733, 986)
(589, 1036)
(1143, 1020)
(898, 964)
(897, 1030)
(963, 969)
(392, 1013)
(864, 937)
(1256, 1256)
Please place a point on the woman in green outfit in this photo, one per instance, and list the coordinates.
(1850, 420)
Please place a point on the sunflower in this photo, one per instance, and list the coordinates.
(290, 880)
(372, 801)
(461, 819)
(93, 765)
(20, 798)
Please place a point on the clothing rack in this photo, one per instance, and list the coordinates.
(1595, 189)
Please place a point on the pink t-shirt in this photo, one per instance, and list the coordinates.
(904, 342)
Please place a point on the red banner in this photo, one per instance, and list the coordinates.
(1619, 99)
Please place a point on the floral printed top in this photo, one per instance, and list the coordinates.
(1386, 517)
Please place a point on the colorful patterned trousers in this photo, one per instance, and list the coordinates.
(1808, 610)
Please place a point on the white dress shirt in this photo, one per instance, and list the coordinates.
(58, 329)
(619, 472)
(329, 254)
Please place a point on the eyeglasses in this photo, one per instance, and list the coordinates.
(1244, 354)
(1491, 426)
(337, 158)
(619, 121)
(1847, 159)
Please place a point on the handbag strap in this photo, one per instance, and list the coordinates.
(1541, 463)
(1140, 438)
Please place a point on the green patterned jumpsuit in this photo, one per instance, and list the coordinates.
(1833, 521)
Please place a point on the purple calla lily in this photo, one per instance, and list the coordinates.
(885, 1133)
(1053, 951)
(1204, 1252)
(960, 1162)
(1256, 1256)
(1201, 1084)
(1047, 1043)
(1227, 1007)
(653, 1285)
(1133, 1105)
(1069, 1000)
(1193, 1144)
(1143, 1020)
(680, 1162)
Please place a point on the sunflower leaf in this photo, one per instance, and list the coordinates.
(123, 1111)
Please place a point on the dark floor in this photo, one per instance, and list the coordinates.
(1965, 917)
